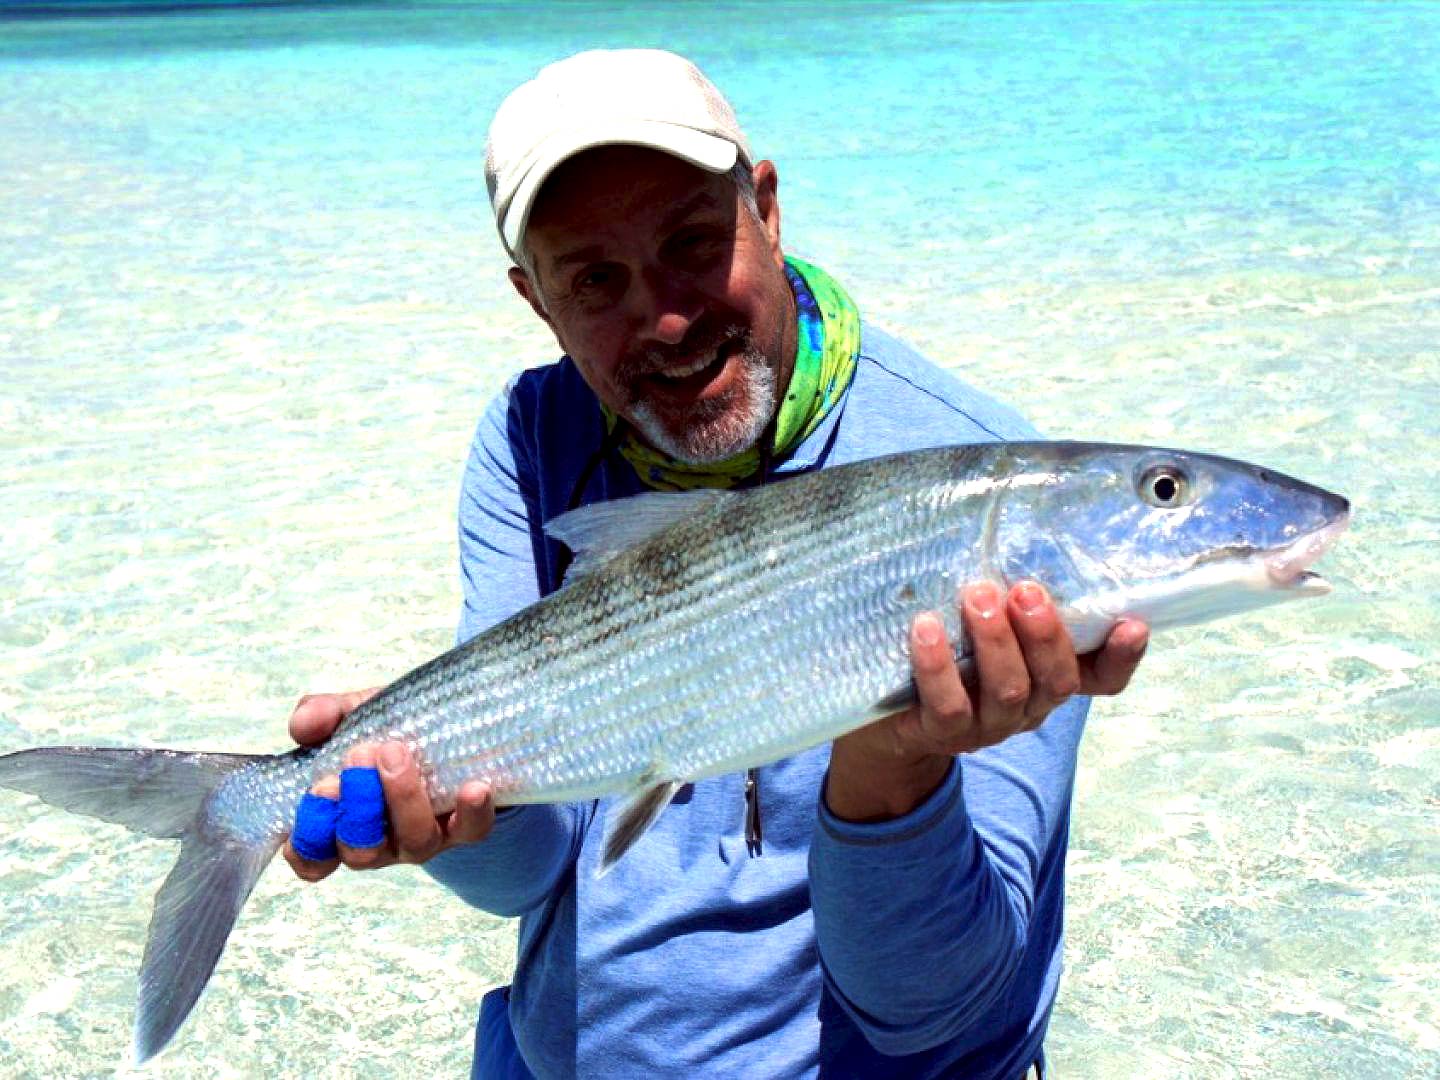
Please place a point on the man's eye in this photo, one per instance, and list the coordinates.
(597, 278)
(696, 244)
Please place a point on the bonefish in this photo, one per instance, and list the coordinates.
(708, 632)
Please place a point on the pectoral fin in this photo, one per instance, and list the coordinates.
(903, 696)
(629, 821)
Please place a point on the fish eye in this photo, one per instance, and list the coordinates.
(1165, 486)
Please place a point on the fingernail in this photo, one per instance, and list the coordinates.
(474, 791)
(392, 758)
(985, 599)
(1134, 636)
(327, 787)
(361, 757)
(929, 630)
(1030, 597)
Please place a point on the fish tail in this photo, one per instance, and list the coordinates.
(162, 793)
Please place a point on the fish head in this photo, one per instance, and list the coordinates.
(1169, 536)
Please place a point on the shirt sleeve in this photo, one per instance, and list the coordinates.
(922, 922)
(515, 868)
(499, 509)
(531, 847)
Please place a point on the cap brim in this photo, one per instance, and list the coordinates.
(699, 148)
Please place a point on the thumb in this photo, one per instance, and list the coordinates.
(316, 716)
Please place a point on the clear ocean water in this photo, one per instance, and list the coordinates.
(251, 308)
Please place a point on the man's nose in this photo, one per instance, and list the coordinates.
(669, 308)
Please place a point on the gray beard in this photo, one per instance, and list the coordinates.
(716, 430)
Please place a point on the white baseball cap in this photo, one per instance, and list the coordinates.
(638, 97)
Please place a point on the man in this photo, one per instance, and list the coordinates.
(889, 905)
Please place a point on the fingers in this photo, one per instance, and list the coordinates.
(414, 832)
(1025, 664)
(1025, 667)
(1050, 661)
(955, 719)
(357, 835)
(317, 715)
(1002, 690)
(322, 835)
(314, 720)
(473, 816)
(361, 836)
(945, 721)
(383, 815)
(1109, 670)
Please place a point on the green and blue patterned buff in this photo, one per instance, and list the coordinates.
(827, 345)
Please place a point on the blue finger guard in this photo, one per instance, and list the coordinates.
(362, 809)
(313, 837)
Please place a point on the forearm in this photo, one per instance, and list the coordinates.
(522, 860)
(918, 933)
(924, 921)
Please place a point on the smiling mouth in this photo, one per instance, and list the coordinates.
(681, 373)
(695, 375)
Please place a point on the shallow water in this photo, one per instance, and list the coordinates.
(251, 307)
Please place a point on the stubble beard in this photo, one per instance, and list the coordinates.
(711, 431)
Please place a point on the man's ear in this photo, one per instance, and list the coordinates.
(767, 201)
(526, 288)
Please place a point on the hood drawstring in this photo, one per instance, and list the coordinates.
(612, 439)
(754, 831)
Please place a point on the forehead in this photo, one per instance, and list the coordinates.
(618, 193)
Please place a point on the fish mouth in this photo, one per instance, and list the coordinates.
(1289, 567)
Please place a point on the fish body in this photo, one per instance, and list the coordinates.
(707, 632)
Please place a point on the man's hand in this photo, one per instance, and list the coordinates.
(1025, 667)
(413, 833)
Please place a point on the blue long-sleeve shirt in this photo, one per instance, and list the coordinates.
(924, 946)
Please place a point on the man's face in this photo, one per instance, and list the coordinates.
(668, 293)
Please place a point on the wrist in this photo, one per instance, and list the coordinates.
(866, 788)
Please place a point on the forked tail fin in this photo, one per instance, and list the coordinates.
(160, 793)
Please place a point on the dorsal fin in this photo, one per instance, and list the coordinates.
(600, 531)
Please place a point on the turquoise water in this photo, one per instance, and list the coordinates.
(251, 307)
